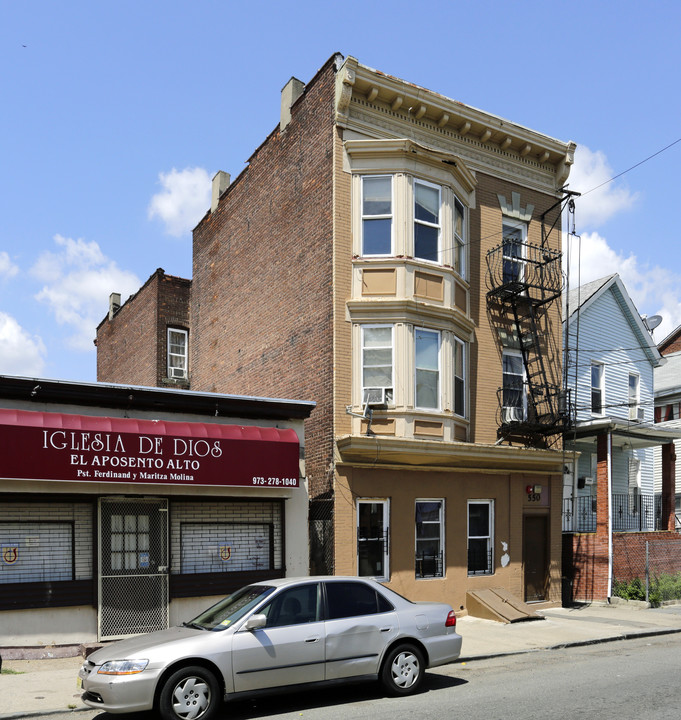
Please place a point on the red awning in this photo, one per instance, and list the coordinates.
(61, 446)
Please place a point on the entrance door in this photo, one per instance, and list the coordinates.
(133, 566)
(535, 557)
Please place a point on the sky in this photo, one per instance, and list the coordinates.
(115, 116)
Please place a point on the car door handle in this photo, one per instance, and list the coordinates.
(386, 629)
(313, 639)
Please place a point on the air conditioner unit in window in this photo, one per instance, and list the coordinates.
(640, 414)
(375, 397)
(176, 372)
(511, 415)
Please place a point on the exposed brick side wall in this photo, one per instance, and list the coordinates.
(671, 344)
(262, 279)
(132, 346)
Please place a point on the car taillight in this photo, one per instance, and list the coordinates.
(451, 620)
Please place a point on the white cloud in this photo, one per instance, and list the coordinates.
(78, 281)
(7, 268)
(654, 290)
(20, 353)
(591, 170)
(183, 201)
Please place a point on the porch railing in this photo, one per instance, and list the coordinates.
(631, 512)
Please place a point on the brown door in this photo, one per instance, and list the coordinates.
(535, 557)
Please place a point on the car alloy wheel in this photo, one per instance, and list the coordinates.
(403, 670)
(191, 693)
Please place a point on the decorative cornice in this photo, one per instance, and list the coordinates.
(379, 105)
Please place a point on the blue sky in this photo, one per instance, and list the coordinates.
(114, 117)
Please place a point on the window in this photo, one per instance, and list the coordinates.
(459, 377)
(427, 363)
(513, 400)
(377, 361)
(429, 538)
(177, 354)
(426, 221)
(480, 537)
(353, 599)
(372, 539)
(459, 238)
(377, 215)
(597, 388)
(294, 606)
(513, 252)
(634, 396)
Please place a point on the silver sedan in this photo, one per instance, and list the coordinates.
(274, 634)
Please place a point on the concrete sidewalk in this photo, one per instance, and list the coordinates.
(49, 685)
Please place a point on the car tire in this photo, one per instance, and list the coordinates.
(191, 693)
(403, 669)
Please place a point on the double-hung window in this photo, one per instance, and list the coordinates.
(513, 401)
(426, 221)
(597, 388)
(459, 238)
(480, 537)
(377, 214)
(634, 396)
(459, 377)
(177, 354)
(429, 538)
(427, 365)
(377, 363)
(513, 252)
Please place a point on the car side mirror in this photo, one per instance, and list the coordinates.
(255, 622)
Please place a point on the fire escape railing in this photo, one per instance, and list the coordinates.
(523, 280)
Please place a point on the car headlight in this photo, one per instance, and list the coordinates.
(123, 667)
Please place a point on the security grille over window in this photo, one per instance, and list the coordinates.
(133, 562)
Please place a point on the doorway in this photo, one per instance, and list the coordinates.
(535, 557)
(133, 566)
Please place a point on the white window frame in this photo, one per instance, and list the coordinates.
(424, 223)
(440, 565)
(437, 371)
(384, 538)
(459, 245)
(389, 390)
(460, 374)
(516, 261)
(509, 413)
(634, 395)
(489, 537)
(184, 365)
(599, 388)
(389, 216)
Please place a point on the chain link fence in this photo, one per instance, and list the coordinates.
(647, 569)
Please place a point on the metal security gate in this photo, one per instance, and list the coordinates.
(133, 566)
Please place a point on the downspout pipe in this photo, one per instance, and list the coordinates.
(610, 564)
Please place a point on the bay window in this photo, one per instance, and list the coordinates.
(377, 362)
(377, 215)
(426, 221)
(459, 245)
(427, 365)
(459, 378)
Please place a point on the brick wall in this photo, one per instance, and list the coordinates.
(262, 278)
(132, 346)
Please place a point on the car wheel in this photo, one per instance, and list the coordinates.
(189, 694)
(403, 670)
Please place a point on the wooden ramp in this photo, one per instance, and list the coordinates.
(498, 604)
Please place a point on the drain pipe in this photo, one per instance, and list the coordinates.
(609, 515)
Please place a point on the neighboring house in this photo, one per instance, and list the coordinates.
(668, 411)
(608, 481)
(395, 255)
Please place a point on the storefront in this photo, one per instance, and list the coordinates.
(124, 510)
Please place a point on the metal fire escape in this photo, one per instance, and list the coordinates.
(524, 281)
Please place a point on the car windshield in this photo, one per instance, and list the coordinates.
(225, 613)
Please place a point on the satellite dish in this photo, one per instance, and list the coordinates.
(651, 322)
